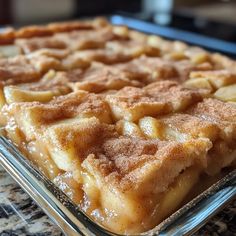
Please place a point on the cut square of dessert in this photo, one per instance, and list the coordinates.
(32, 116)
(149, 69)
(68, 140)
(135, 175)
(63, 127)
(109, 55)
(155, 99)
(218, 112)
(137, 46)
(178, 127)
(48, 59)
(47, 31)
(52, 84)
(33, 44)
(16, 70)
(223, 116)
(95, 78)
(116, 51)
(74, 40)
(99, 77)
(87, 39)
(211, 119)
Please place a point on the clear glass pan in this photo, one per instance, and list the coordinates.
(72, 220)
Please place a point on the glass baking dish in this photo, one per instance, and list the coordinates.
(72, 220)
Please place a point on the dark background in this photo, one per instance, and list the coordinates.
(213, 18)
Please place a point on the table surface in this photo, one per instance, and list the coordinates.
(20, 216)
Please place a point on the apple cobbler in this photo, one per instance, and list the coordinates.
(126, 124)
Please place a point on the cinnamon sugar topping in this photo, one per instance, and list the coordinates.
(125, 123)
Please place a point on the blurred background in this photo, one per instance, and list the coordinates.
(216, 18)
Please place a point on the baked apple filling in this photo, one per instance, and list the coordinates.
(126, 124)
(113, 177)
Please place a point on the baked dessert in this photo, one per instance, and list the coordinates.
(126, 124)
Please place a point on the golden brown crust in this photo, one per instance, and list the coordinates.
(83, 136)
(126, 162)
(149, 69)
(99, 77)
(37, 43)
(193, 126)
(30, 68)
(68, 106)
(126, 121)
(95, 78)
(179, 96)
(105, 56)
(17, 70)
(71, 107)
(155, 99)
(218, 112)
(10, 34)
(75, 40)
